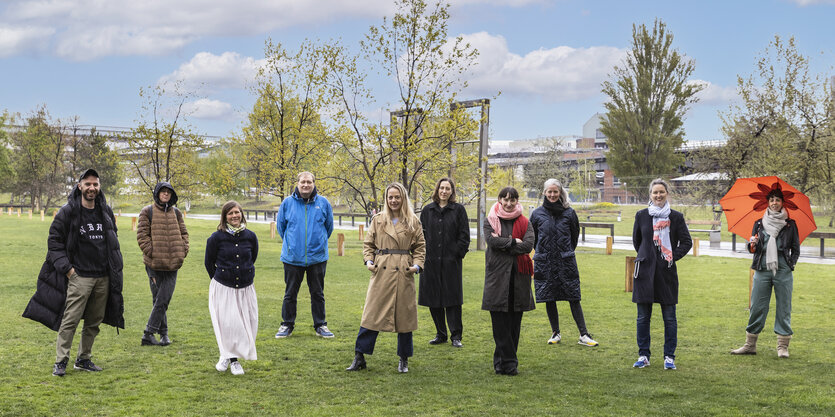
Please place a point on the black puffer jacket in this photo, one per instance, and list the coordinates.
(47, 305)
(556, 277)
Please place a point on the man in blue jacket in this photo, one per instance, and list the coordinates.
(305, 222)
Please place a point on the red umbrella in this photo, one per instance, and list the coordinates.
(746, 201)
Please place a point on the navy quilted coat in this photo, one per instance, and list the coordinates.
(556, 277)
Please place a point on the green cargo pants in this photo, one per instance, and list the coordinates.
(86, 298)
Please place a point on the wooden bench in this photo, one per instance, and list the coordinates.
(267, 213)
(610, 226)
(715, 225)
(588, 214)
(353, 217)
(822, 236)
(714, 231)
(814, 235)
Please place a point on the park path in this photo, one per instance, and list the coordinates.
(808, 254)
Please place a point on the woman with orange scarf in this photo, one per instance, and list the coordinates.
(507, 276)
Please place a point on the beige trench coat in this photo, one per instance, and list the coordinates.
(390, 304)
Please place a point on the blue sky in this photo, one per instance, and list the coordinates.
(89, 58)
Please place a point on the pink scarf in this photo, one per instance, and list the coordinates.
(496, 212)
(524, 264)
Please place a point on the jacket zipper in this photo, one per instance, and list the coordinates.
(305, 234)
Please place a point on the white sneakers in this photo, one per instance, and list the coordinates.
(235, 367)
(586, 340)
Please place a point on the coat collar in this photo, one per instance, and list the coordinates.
(389, 228)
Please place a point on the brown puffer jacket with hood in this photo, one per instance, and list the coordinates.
(162, 234)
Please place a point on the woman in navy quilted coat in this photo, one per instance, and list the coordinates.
(556, 277)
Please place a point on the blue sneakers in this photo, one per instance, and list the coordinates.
(642, 362)
(324, 332)
(284, 331)
(669, 363)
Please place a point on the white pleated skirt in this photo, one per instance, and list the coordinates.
(234, 314)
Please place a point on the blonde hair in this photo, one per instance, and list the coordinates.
(406, 213)
(659, 181)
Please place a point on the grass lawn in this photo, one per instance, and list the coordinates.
(304, 375)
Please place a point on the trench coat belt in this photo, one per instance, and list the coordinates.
(392, 251)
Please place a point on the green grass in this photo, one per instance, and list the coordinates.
(304, 375)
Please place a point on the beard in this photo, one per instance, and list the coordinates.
(90, 195)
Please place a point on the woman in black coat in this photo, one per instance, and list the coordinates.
(556, 277)
(507, 276)
(446, 229)
(661, 238)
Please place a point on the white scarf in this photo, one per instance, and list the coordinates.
(661, 230)
(773, 223)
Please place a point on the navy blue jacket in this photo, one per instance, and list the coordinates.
(650, 270)
(556, 277)
(230, 259)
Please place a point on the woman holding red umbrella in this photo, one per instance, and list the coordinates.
(776, 245)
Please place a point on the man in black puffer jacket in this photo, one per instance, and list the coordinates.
(82, 274)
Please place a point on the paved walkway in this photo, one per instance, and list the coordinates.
(808, 254)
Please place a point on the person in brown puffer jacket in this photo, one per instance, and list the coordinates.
(163, 239)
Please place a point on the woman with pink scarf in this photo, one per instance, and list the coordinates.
(661, 238)
(507, 276)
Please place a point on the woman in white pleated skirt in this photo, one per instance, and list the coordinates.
(231, 252)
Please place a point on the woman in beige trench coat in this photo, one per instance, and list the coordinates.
(393, 251)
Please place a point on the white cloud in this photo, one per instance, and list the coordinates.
(715, 94)
(209, 109)
(557, 74)
(209, 71)
(15, 40)
(88, 29)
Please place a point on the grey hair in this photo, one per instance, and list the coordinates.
(306, 174)
(563, 194)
